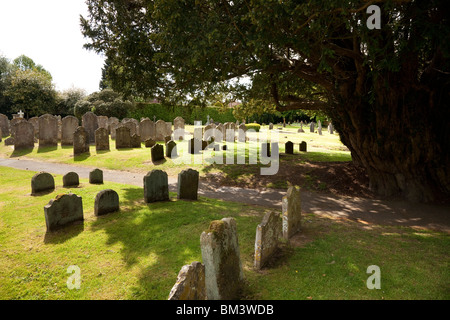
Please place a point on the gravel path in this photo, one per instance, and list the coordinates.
(365, 211)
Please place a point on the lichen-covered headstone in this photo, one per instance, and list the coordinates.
(123, 137)
(221, 256)
(4, 125)
(41, 182)
(106, 201)
(48, 131)
(289, 147)
(68, 126)
(24, 138)
(156, 186)
(268, 234)
(71, 179)
(90, 122)
(96, 176)
(146, 129)
(190, 283)
(101, 139)
(188, 184)
(135, 140)
(302, 146)
(63, 210)
(149, 143)
(291, 212)
(157, 152)
(80, 141)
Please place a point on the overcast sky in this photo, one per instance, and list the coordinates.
(48, 31)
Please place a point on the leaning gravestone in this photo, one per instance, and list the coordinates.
(157, 152)
(90, 122)
(171, 149)
(268, 234)
(156, 186)
(24, 138)
(42, 182)
(63, 210)
(96, 176)
(71, 179)
(101, 139)
(302, 146)
(106, 201)
(4, 125)
(68, 126)
(188, 184)
(289, 147)
(123, 137)
(48, 131)
(80, 141)
(220, 254)
(291, 212)
(190, 284)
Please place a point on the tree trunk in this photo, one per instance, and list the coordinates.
(402, 142)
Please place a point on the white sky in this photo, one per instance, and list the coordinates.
(48, 31)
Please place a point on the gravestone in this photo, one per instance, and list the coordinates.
(157, 152)
(242, 133)
(330, 128)
(135, 141)
(12, 125)
(171, 149)
(198, 133)
(48, 131)
(62, 211)
(311, 127)
(161, 130)
(156, 186)
(123, 137)
(190, 284)
(149, 143)
(131, 124)
(101, 139)
(4, 125)
(90, 122)
(80, 141)
(71, 179)
(195, 145)
(291, 212)
(268, 234)
(188, 184)
(146, 129)
(103, 122)
(221, 256)
(35, 122)
(167, 139)
(302, 146)
(68, 126)
(96, 176)
(42, 182)
(178, 128)
(24, 138)
(106, 201)
(209, 132)
(270, 126)
(112, 129)
(289, 147)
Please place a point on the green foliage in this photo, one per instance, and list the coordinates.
(253, 126)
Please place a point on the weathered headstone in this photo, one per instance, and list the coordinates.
(242, 133)
(131, 124)
(103, 122)
(190, 284)
(123, 137)
(146, 129)
(35, 122)
(96, 176)
(302, 146)
(63, 210)
(135, 141)
(156, 186)
(68, 126)
(42, 182)
(90, 122)
(12, 125)
(157, 152)
(101, 139)
(161, 130)
(330, 128)
(311, 127)
(106, 201)
(71, 179)
(289, 147)
(171, 149)
(178, 127)
(80, 141)
(4, 125)
(24, 138)
(270, 126)
(149, 143)
(220, 254)
(291, 212)
(268, 234)
(48, 131)
(188, 184)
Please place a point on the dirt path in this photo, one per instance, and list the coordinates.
(363, 210)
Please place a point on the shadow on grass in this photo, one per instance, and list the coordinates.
(46, 149)
(64, 234)
(22, 152)
(81, 157)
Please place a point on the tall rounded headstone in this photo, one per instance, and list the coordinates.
(48, 131)
(68, 126)
(156, 186)
(106, 201)
(24, 138)
(90, 122)
(42, 182)
(188, 184)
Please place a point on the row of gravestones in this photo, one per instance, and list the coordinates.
(220, 276)
(67, 209)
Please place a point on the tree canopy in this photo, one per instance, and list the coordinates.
(381, 87)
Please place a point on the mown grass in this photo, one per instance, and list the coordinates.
(137, 253)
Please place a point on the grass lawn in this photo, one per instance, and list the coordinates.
(137, 253)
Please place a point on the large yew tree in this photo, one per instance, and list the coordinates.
(386, 90)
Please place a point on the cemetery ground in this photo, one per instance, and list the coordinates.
(136, 253)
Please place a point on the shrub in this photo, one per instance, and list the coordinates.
(254, 126)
